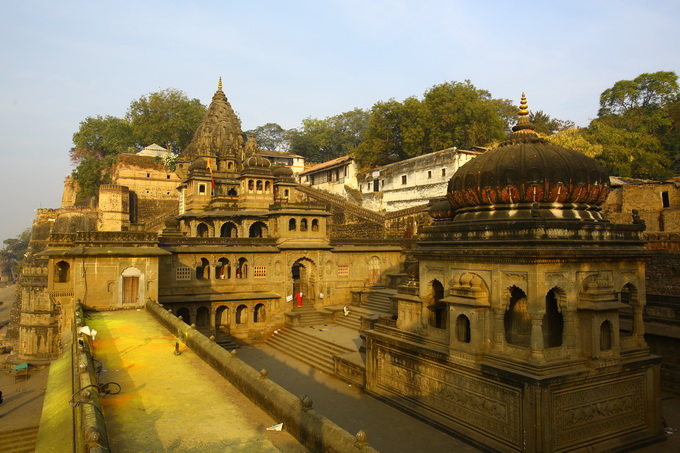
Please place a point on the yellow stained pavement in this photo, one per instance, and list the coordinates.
(173, 403)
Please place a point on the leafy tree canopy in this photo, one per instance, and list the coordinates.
(167, 117)
(544, 124)
(270, 136)
(335, 136)
(12, 254)
(653, 90)
(450, 114)
(637, 126)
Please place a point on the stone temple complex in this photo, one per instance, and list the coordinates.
(514, 319)
(510, 330)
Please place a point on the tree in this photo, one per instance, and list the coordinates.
(647, 90)
(332, 137)
(12, 254)
(450, 114)
(637, 126)
(167, 117)
(574, 138)
(271, 137)
(544, 124)
(96, 144)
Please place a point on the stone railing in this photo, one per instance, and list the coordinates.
(104, 238)
(296, 413)
(183, 240)
(336, 200)
(307, 206)
(365, 241)
(89, 425)
(663, 241)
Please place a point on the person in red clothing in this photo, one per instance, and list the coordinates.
(298, 296)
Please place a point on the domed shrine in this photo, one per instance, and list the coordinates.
(524, 331)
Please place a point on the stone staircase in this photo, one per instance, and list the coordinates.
(353, 320)
(308, 316)
(226, 341)
(379, 300)
(313, 351)
(336, 200)
(19, 440)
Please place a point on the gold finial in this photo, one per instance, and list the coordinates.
(219, 84)
(523, 107)
(523, 125)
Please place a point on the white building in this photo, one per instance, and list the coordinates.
(334, 176)
(412, 182)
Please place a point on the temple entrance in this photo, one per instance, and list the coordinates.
(131, 287)
(303, 281)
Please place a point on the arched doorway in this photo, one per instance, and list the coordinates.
(184, 313)
(553, 324)
(438, 310)
(202, 317)
(258, 230)
(202, 230)
(517, 319)
(228, 230)
(242, 314)
(374, 270)
(260, 313)
(132, 289)
(222, 319)
(303, 279)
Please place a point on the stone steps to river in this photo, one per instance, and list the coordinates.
(379, 300)
(306, 348)
(21, 440)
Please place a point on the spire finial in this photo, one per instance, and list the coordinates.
(523, 106)
(219, 84)
(523, 125)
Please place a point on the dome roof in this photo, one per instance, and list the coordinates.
(283, 172)
(198, 164)
(528, 169)
(257, 161)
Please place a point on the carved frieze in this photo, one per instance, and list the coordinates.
(598, 411)
(480, 404)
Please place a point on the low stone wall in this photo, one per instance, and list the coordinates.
(311, 428)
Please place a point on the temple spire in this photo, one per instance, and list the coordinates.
(523, 125)
(219, 85)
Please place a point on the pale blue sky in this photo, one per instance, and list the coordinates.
(282, 61)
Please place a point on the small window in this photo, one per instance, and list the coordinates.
(403, 179)
(315, 225)
(201, 189)
(303, 225)
(183, 273)
(463, 329)
(259, 271)
(148, 175)
(291, 225)
(343, 269)
(443, 172)
(429, 174)
(665, 200)
(167, 176)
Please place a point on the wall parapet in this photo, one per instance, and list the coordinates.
(311, 428)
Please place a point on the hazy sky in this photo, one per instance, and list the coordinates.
(282, 61)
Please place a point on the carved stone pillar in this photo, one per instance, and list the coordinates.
(569, 332)
(499, 327)
(537, 337)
